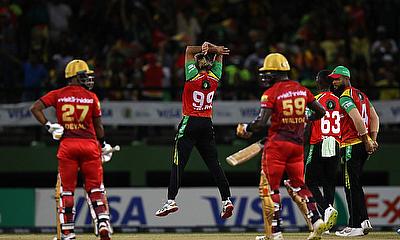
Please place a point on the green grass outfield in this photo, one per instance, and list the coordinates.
(194, 236)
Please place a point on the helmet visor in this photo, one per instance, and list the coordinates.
(86, 79)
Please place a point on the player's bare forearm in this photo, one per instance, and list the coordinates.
(37, 111)
(260, 121)
(219, 51)
(98, 127)
(191, 51)
(374, 125)
(358, 122)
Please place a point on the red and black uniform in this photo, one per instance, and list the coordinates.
(284, 151)
(79, 149)
(354, 154)
(196, 127)
(288, 101)
(324, 153)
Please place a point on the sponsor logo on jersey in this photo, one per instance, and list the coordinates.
(292, 94)
(330, 105)
(73, 99)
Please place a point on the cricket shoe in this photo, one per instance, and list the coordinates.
(330, 217)
(227, 209)
(350, 232)
(326, 232)
(366, 226)
(104, 231)
(275, 236)
(69, 236)
(169, 207)
(319, 228)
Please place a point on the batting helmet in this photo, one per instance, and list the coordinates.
(80, 69)
(275, 62)
(275, 66)
(76, 66)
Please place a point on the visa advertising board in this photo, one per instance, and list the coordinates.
(201, 207)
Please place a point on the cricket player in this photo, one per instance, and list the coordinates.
(80, 131)
(285, 101)
(359, 126)
(196, 129)
(324, 154)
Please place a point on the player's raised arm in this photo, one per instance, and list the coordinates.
(219, 51)
(190, 52)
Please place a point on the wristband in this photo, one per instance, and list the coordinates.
(47, 125)
(246, 127)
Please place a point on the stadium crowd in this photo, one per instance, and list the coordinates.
(137, 46)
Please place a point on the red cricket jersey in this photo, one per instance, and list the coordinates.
(199, 90)
(288, 100)
(75, 109)
(353, 98)
(329, 125)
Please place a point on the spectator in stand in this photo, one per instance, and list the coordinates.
(35, 76)
(389, 87)
(153, 78)
(383, 45)
(187, 24)
(59, 14)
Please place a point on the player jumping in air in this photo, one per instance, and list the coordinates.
(285, 102)
(81, 135)
(196, 129)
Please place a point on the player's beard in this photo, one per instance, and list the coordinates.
(339, 90)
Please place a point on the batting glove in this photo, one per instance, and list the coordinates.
(55, 129)
(241, 131)
(106, 152)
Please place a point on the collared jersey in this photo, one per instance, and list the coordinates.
(75, 109)
(288, 101)
(199, 89)
(353, 98)
(329, 125)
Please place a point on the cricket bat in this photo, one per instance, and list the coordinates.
(246, 154)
